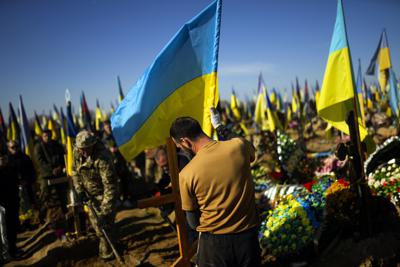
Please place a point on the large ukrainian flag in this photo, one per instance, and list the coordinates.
(338, 89)
(182, 81)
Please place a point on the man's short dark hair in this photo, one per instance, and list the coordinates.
(47, 131)
(185, 127)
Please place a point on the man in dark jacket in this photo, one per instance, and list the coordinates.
(9, 200)
(26, 174)
(49, 155)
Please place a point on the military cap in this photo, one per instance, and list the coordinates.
(85, 139)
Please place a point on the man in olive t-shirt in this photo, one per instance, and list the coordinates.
(217, 186)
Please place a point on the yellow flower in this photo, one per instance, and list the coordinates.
(266, 233)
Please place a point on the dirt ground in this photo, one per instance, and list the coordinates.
(146, 238)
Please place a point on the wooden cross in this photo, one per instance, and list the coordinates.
(185, 251)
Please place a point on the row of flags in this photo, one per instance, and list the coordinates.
(182, 81)
(62, 127)
(382, 64)
(186, 68)
(20, 129)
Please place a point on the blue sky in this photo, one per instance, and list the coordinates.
(47, 46)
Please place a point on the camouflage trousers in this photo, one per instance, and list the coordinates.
(53, 201)
(105, 250)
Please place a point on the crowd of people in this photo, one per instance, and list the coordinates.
(36, 190)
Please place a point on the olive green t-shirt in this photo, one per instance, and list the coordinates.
(218, 183)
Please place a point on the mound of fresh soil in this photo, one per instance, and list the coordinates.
(145, 240)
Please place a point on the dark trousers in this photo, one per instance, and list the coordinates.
(12, 225)
(230, 250)
(52, 196)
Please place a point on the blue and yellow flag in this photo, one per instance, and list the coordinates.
(86, 117)
(71, 134)
(298, 93)
(317, 93)
(288, 118)
(36, 125)
(44, 121)
(63, 127)
(279, 101)
(260, 109)
(393, 93)
(368, 96)
(120, 92)
(360, 93)
(272, 97)
(13, 131)
(235, 106)
(182, 81)
(306, 93)
(273, 120)
(51, 125)
(295, 97)
(26, 141)
(112, 109)
(56, 114)
(99, 117)
(338, 90)
(382, 58)
(3, 128)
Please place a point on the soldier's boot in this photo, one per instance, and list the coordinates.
(105, 252)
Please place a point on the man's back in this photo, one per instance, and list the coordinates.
(218, 182)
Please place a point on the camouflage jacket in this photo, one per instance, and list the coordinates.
(96, 177)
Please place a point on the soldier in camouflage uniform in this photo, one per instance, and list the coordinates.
(94, 179)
